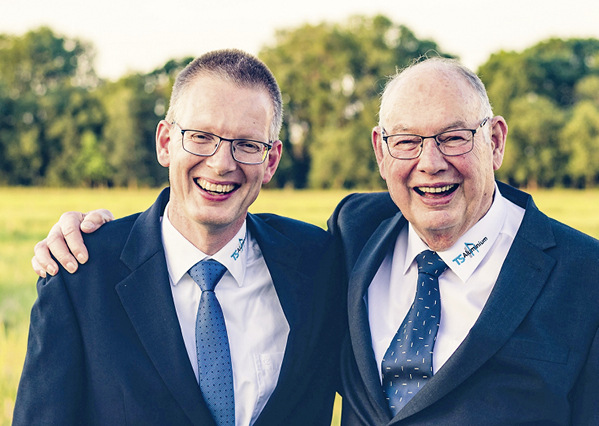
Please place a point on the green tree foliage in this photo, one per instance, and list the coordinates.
(534, 156)
(132, 115)
(538, 91)
(61, 125)
(44, 87)
(134, 104)
(331, 76)
(580, 139)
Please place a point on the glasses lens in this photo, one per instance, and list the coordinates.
(248, 151)
(455, 142)
(404, 146)
(199, 143)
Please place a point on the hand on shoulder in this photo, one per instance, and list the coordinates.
(65, 241)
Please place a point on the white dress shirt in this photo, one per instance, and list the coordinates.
(256, 325)
(474, 261)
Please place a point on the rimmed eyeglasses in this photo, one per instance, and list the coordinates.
(205, 144)
(405, 146)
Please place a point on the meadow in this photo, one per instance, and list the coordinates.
(26, 215)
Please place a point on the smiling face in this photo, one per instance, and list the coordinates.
(441, 196)
(210, 196)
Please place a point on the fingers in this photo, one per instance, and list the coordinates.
(69, 229)
(40, 266)
(94, 219)
(65, 242)
(42, 262)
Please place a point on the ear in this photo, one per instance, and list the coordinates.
(163, 139)
(377, 145)
(272, 161)
(498, 137)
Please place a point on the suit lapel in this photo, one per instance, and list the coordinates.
(365, 269)
(522, 278)
(146, 297)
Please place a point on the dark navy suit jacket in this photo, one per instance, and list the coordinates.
(105, 345)
(532, 357)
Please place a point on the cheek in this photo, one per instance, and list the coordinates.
(479, 180)
(254, 177)
(390, 170)
(397, 172)
(182, 166)
(479, 165)
(398, 189)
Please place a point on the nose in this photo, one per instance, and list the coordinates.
(222, 160)
(431, 159)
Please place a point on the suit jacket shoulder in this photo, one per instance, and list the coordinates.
(363, 211)
(296, 230)
(557, 239)
(355, 220)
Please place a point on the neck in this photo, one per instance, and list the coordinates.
(208, 239)
(438, 241)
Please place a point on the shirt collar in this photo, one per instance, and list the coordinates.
(471, 248)
(181, 254)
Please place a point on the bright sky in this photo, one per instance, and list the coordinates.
(140, 35)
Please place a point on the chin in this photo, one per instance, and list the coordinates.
(440, 221)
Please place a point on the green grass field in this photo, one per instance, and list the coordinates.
(26, 215)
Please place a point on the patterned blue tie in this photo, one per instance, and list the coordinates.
(408, 362)
(212, 344)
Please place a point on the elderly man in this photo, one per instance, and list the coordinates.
(195, 311)
(467, 305)
(515, 338)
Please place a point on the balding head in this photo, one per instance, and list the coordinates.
(418, 81)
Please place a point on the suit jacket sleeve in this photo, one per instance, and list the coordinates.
(51, 388)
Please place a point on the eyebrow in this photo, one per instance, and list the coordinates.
(458, 124)
(249, 138)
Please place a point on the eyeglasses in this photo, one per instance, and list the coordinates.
(405, 146)
(205, 144)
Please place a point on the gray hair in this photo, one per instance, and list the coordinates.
(238, 67)
(447, 64)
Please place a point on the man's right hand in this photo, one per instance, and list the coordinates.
(66, 243)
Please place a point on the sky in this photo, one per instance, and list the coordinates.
(141, 35)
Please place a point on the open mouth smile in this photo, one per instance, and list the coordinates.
(435, 191)
(215, 188)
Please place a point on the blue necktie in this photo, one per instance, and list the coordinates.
(408, 362)
(212, 344)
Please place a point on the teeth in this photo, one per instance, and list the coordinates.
(213, 187)
(435, 190)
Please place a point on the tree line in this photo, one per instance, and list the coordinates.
(62, 125)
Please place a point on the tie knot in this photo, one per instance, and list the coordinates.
(207, 273)
(430, 263)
